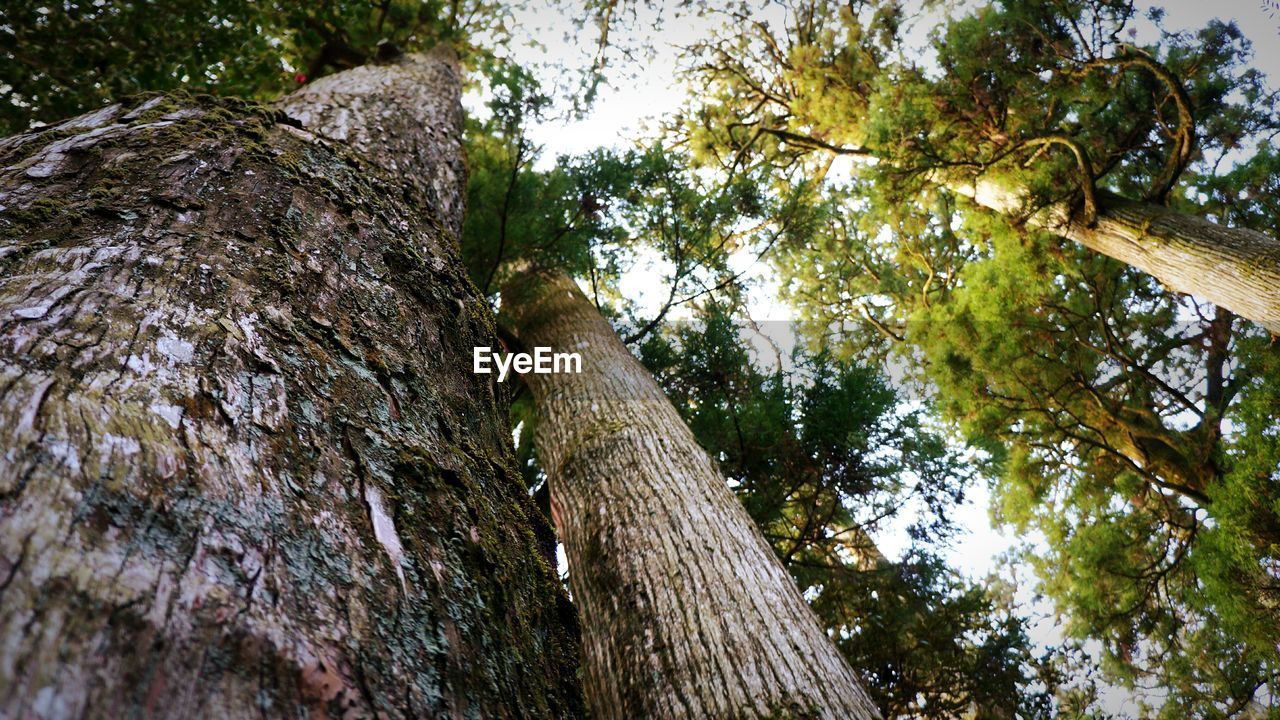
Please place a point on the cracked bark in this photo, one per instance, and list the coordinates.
(244, 467)
(686, 610)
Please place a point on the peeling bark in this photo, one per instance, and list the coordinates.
(245, 470)
(687, 611)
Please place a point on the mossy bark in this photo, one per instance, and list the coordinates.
(686, 610)
(245, 470)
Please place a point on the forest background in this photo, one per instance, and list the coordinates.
(557, 124)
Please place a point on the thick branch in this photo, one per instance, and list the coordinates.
(1235, 268)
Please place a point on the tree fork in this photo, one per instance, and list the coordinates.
(244, 468)
(687, 611)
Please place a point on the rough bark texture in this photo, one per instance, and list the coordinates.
(1235, 268)
(397, 117)
(687, 612)
(245, 470)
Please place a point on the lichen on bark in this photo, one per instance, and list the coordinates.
(244, 467)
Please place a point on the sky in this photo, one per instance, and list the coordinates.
(626, 108)
(642, 93)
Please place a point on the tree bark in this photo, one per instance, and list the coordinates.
(1234, 268)
(686, 610)
(245, 470)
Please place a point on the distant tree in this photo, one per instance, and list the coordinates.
(1037, 111)
(822, 455)
(594, 216)
(1129, 424)
(357, 181)
(661, 555)
(687, 611)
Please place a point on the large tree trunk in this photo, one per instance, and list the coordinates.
(1234, 268)
(687, 612)
(245, 470)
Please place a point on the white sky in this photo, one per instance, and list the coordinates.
(628, 109)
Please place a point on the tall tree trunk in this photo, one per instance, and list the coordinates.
(686, 610)
(1234, 268)
(245, 470)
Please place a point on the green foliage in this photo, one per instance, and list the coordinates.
(1242, 551)
(516, 213)
(1125, 424)
(1132, 429)
(820, 459)
(598, 215)
(60, 59)
(822, 456)
(63, 58)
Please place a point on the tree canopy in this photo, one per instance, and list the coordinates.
(1126, 430)
(1120, 420)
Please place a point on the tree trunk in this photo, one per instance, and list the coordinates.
(1234, 268)
(687, 612)
(245, 470)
